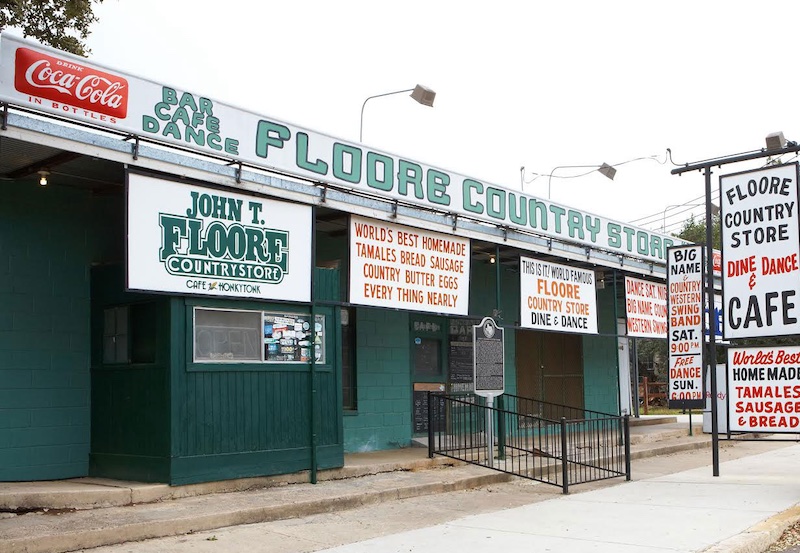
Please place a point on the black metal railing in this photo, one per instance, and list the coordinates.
(547, 442)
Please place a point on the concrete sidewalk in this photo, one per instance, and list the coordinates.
(115, 512)
(745, 509)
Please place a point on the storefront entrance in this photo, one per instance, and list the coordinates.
(550, 367)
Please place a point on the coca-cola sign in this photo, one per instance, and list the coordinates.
(70, 83)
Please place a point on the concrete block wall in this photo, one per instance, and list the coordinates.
(383, 376)
(600, 366)
(44, 333)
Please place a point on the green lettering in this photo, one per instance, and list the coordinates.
(575, 224)
(270, 134)
(212, 124)
(593, 225)
(172, 129)
(387, 164)
(188, 100)
(496, 203)
(162, 111)
(319, 166)
(169, 96)
(409, 173)
(468, 187)
(181, 115)
(214, 142)
(538, 211)
(196, 135)
(149, 124)
(614, 237)
(517, 210)
(437, 187)
(232, 146)
(559, 213)
(354, 157)
(206, 106)
(173, 229)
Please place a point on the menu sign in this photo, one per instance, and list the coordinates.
(407, 268)
(764, 386)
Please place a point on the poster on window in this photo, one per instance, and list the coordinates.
(189, 239)
(408, 268)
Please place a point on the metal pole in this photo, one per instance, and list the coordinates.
(312, 376)
(490, 429)
(635, 377)
(627, 447)
(564, 464)
(712, 326)
(431, 418)
(501, 427)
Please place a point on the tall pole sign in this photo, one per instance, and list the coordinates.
(685, 303)
(760, 249)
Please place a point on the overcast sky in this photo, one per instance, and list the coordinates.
(538, 84)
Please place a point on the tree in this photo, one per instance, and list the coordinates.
(695, 231)
(62, 24)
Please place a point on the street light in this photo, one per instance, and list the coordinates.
(604, 169)
(421, 94)
(714, 211)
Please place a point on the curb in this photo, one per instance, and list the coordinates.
(758, 538)
(84, 539)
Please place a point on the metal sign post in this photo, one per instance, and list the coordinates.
(488, 370)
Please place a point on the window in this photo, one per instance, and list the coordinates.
(289, 337)
(129, 334)
(226, 335)
(115, 335)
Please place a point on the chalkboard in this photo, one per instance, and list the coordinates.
(427, 357)
(460, 368)
(421, 413)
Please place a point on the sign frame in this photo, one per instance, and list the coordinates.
(685, 347)
(743, 275)
(485, 333)
(763, 363)
(147, 253)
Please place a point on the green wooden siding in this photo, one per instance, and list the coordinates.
(130, 402)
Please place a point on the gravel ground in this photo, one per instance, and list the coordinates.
(789, 542)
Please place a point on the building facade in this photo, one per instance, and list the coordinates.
(196, 292)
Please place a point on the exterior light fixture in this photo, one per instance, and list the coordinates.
(775, 141)
(420, 94)
(43, 177)
(607, 171)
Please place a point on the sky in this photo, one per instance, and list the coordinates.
(537, 84)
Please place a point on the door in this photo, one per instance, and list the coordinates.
(550, 367)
